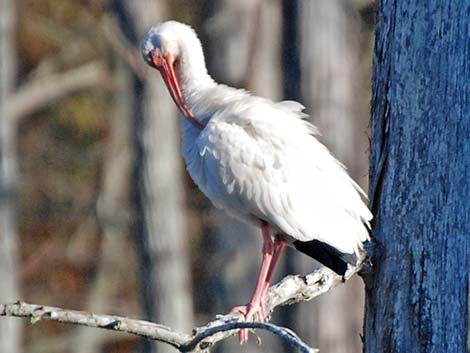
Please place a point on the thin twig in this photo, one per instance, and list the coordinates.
(253, 48)
(282, 332)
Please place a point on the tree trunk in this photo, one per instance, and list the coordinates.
(417, 295)
(161, 211)
(241, 42)
(114, 217)
(10, 329)
(328, 79)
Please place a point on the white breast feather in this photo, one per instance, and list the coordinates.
(258, 159)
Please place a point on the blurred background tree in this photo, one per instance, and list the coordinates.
(10, 330)
(106, 218)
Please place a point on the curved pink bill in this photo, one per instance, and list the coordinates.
(165, 64)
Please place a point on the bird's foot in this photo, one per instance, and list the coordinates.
(250, 311)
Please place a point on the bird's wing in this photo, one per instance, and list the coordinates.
(263, 160)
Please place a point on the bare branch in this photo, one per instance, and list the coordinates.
(136, 327)
(43, 91)
(289, 290)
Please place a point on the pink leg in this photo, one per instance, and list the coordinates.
(256, 304)
(279, 246)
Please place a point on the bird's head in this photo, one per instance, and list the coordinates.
(161, 44)
(162, 48)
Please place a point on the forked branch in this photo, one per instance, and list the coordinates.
(290, 289)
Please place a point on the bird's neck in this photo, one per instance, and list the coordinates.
(202, 94)
(193, 77)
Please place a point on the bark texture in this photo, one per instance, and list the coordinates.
(419, 190)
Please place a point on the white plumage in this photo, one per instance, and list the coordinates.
(256, 159)
(259, 160)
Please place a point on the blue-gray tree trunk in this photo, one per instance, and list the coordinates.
(417, 296)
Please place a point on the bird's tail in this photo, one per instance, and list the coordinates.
(327, 255)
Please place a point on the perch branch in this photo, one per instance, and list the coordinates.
(136, 327)
(290, 289)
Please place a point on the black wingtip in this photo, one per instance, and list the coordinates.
(326, 255)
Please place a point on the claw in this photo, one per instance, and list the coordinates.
(249, 312)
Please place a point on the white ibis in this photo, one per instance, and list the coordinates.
(260, 161)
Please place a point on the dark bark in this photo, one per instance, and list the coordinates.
(145, 261)
(291, 90)
(417, 296)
